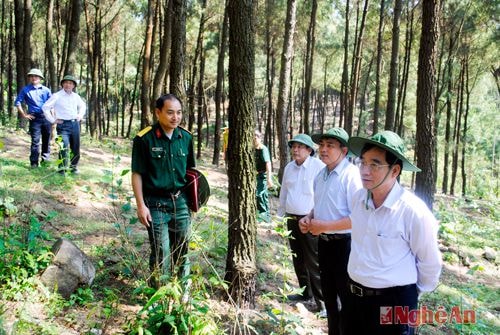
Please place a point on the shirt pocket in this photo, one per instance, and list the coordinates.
(391, 248)
(157, 153)
(307, 187)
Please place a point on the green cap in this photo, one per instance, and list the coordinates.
(303, 139)
(36, 72)
(337, 133)
(386, 140)
(70, 78)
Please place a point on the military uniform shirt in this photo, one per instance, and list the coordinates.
(161, 161)
(261, 158)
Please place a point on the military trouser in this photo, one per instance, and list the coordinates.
(262, 198)
(169, 235)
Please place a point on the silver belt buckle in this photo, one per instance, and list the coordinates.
(356, 290)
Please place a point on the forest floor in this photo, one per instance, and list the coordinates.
(91, 215)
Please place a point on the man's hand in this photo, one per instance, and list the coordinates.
(28, 116)
(316, 227)
(304, 224)
(144, 215)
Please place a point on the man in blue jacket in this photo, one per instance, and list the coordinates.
(34, 95)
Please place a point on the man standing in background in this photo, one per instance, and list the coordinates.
(296, 201)
(264, 178)
(66, 109)
(34, 95)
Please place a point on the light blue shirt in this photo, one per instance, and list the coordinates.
(333, 191)
(394, 244)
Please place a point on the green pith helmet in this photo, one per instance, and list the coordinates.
(70, 78)
(386, 140)
(303, 139)
(337, 133)
(197, 189)
(35, 72)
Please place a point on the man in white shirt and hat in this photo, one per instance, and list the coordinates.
(296, 201)
(66, 109)
(394, 251)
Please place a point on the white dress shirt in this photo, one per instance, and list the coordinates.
(297, 193)
(395, 244)
(64, 106)
(333, 191)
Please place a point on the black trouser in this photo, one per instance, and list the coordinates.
(334, 252)
(305, 258)
(69, 131)
(373, 311)
(40, 129)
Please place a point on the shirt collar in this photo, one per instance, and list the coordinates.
(160, 133)
(390, 201)
(305, 164)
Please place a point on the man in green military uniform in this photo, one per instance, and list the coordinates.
(160, 156)
(264, 178)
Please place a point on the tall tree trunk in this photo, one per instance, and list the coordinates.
(344, 89)
(456, 131)
(309, 62)
(364, 95)
(23, 27)
(123, 90)
(49, 48)
(400, 110)
(394, 70)
(4, 51)
(447, 134)
(219, 86)
(241, 269)
(164, 54)
(356, 71)
(71, 38)
(465, 129)
(270, 75)
(146, 67)
(425, 184)
(378, 67)
(284, 85)
(200, 102)
(178, 51)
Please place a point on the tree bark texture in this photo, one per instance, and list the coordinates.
(309, 63)
(378, 68)
(178, 50)
(425, 185)
(72, 31)
(284, 85)
(356, 71)
(344, 90)
(394, 69)
(241, 269)
(23, 27)
(219, 86)
(146, 67)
